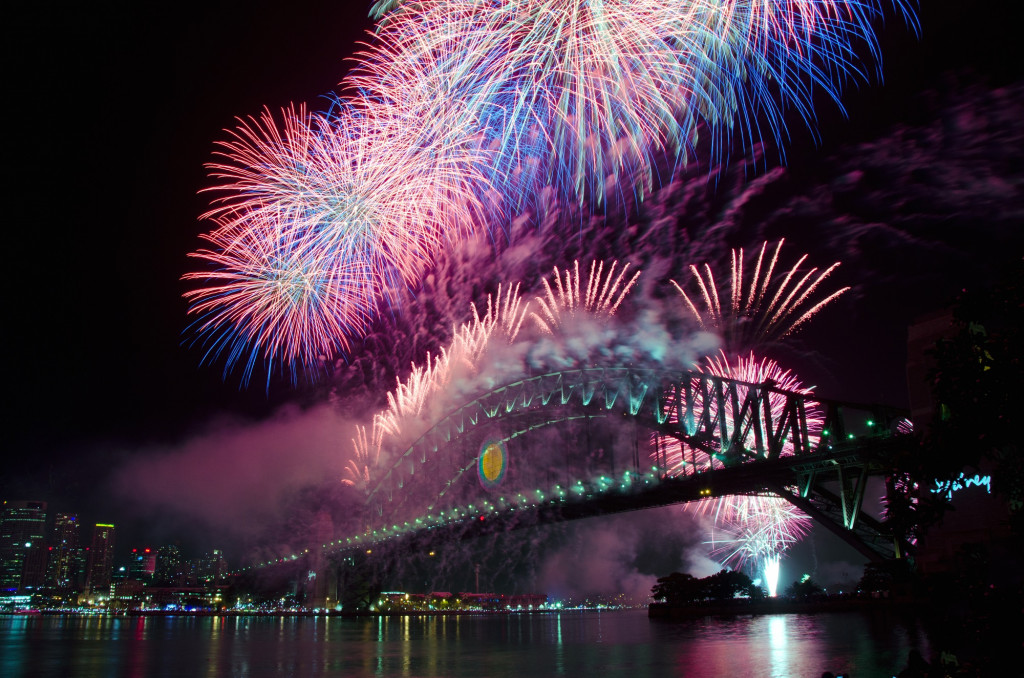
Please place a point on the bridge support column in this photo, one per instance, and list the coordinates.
(851, 493)
(322, 586)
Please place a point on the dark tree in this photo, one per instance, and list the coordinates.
(679, 589)
(727, 584)
(804, 588)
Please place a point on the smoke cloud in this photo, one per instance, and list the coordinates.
(240, 479)
(620, 557)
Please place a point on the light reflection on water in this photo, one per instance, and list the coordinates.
(605, 644)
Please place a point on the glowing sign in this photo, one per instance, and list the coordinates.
(493, 463)
(948, 487)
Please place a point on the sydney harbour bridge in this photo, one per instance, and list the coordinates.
(581, 443)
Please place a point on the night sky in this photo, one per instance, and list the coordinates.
(113, 109)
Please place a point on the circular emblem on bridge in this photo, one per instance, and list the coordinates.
(493, 463)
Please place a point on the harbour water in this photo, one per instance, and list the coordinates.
(604, 644)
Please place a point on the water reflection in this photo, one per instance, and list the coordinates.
(604, 644)
(135, 651)
(778, 655)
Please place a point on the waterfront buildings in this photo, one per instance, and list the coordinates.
(66, 567)
(22, 546)
(100, 567)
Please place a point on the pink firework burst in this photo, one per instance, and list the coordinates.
(682, 459)
(756, 529)
(278, 293)
(318, 220)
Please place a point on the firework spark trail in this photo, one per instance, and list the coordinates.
(602, 295)
(554, 81)
(366, 456)
(588, 94)
(754, 316)
(757, 535)
(756, 530)
(320, 219)
(403, 417)
(280, 293)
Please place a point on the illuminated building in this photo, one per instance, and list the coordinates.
(22, 546)
(212, 568)
(169, 570)
(142, 564)
(101, 560)
(127, 595)
(66, 567)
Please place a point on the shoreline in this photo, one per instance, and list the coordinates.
(778, 606)
(292, 613)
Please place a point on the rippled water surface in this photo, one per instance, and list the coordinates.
(592, 644)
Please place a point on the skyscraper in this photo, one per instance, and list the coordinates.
(22, 526)
(169, 566)
(212, 568)
(142, 564)
(101, 560)
(65, 552)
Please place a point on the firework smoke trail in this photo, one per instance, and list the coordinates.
(319, 220)
(584, 96)
(753, 314)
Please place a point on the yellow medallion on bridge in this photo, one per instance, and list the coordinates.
(492, 463)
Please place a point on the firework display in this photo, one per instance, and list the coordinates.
(403, 415)
(682, 459)
(585, 96)
(602, 294)
(760, 526)
(457, 114)
(760, 307)
(460, 115)
(754, 531)
(754, 311)
(320, 218)
(403, 418)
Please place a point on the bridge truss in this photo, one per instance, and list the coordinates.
(733, 441)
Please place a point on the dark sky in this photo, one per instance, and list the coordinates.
(114, 107)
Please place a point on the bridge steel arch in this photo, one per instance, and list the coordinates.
(744, 445)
